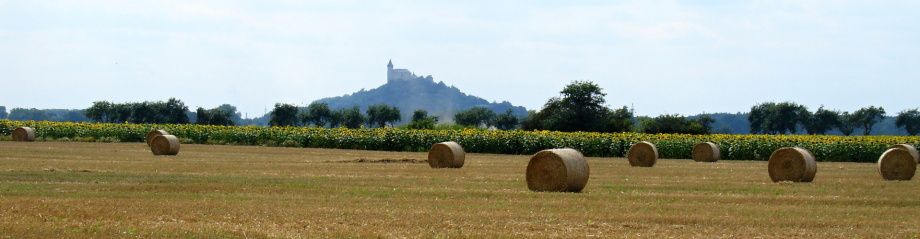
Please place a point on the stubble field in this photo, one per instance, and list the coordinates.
(99, 190)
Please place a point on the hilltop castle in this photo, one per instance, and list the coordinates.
(401, 74)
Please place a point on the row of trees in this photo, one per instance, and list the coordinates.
(780, 118)
(319, 114)
(485, 117)
(676, 124)
(172, 111)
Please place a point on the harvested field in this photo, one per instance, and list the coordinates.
(99, 190)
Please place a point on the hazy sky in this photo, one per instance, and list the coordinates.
(662, 57)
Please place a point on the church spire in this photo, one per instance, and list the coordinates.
(390, 65)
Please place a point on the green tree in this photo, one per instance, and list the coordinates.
(476, 117)
(506, 121)
(175, 112)
(821, 121)
(909, 120)
(3, 114)
(319, 113)
(865, 118)
(677, 124)
(381, 115)
(215, 116)
(335, 118)
(421, 120)
(773, 118)
(352, 117)
(22, 114)
(580, 107)
(235, 115)
(101, 111)
(846, 123)
(283, 115)
(620, 120)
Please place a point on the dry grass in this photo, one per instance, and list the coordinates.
(99, 190)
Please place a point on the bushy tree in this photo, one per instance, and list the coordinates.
(319, 114)
(421, 120)
(677, 124)
(381, 115)
(101, 111)
(909, 120)
(283, 115)
(352, 117)
(865, 118)
(3, 114)
(821, 121)
(579, 108)
(235, 115)
(476, 117)
(506, 121)
(175, 112)
(846, 123)
(215, 116)
(773, 118)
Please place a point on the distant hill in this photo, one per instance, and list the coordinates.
(419, 93)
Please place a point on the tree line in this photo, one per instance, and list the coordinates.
(318, 114)
(172, 111)
(789, 117)
(579, 107)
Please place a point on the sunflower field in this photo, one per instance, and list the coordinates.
(732, 147)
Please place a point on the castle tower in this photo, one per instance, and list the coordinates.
(390, 71)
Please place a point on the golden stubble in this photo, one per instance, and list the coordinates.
(100, 190)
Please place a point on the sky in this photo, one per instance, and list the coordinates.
(659, 57)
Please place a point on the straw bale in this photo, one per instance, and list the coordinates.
(792, 164)
(557, 170)
(642, 154)
(155, 133)
(897, 164)
(24, 134)
(706, 152)
(164, 145)
(446, 155)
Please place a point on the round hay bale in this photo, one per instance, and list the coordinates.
(706, 152)
(557, 170)
(446, 155)
(155, 133)
(792, 164)
(164, 145)
(24, 134)
(897, 164)
(909, 148)
(642, 154)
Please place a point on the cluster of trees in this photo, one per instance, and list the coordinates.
(780, 118)
(676, 124)
(485, 117)
(580, 108)
(172, 111)
(421, 120)
(59, 115)
(319, 114)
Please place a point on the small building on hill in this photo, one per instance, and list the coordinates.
(401, 74)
